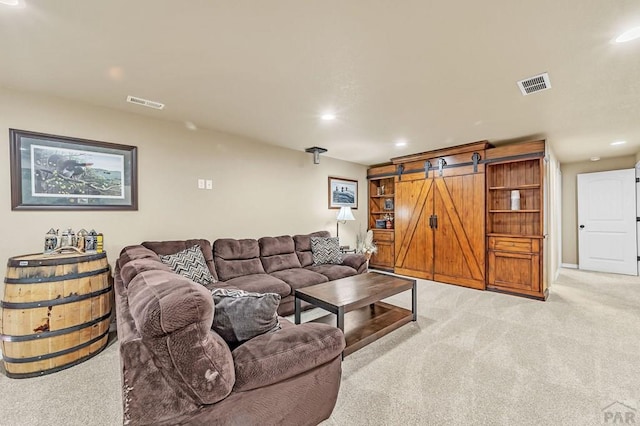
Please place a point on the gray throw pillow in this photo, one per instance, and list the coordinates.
(326, 250)
(240, 315)
(190, 263)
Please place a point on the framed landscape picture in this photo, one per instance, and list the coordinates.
(61, 173)
(343, 193)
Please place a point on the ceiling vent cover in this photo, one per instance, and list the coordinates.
(534, 84)
(144, 102)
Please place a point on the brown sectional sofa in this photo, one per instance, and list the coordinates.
(176, 370)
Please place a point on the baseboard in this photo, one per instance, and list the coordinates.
(569, 265)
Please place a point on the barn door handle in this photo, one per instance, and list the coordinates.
(433, 221)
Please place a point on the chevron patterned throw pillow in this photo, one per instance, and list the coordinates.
(325, 250)
(190, 263)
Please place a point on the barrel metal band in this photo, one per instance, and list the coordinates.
(53, 302)
(55, 333)
(53, 370)
(55, 354)
(54, 261)
(39, 280)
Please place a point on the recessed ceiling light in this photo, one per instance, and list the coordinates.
(629, 35)
(616, 143)
(401, 143)
(328, 116)
(595, 158)
(115, 73)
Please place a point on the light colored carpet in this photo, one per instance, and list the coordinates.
(472, 357)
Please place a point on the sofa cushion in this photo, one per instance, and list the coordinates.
(326, 250)
(278, 253)
(259, 283)
(303, 246)
(241, 315)
(235, 258)
(333, 272)
(189, 263)
(300, 277)
(356, 260)
(173, 316)
(273, 357)
(170, 247)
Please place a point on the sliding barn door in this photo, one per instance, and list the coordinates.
(413, 236)
(459, 236)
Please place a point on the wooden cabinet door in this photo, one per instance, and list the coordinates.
(515, 265)
(512, 271)
(413, 236)
(383, 257)
(459, 239)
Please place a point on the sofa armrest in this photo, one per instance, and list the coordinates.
(277, 356)
(173, 316)
(356, 261)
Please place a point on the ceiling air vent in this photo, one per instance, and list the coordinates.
(144, 102)
(534, 84)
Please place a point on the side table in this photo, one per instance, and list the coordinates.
(56, 311)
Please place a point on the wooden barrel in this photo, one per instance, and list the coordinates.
(56, 312)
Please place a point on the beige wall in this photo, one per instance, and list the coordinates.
(570, 198)
(259, 190)
(553, 217)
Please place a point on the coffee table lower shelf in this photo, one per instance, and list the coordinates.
(367, 324)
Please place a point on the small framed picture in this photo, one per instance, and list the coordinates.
(388, 203)
(343, 193)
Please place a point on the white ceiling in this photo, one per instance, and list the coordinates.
(434, 73)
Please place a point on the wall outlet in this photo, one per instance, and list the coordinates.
(209, 184)
(200, 183)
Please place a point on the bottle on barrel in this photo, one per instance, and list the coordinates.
(50, 241)
(90, 242)
(99, 243)
(81, 239)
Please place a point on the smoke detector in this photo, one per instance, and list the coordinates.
(144, 102)
(534, 84)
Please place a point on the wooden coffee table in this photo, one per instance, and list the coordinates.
(357, 300)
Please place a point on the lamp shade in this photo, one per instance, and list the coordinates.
(345, 214)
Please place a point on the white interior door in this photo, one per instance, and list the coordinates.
(607, 222)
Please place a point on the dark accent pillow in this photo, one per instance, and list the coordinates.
(326, 250)
(190, 263)
(240, 315)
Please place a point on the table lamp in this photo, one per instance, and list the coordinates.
(343, 216)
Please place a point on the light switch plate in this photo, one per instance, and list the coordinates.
(209, 184)
(200, 183)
